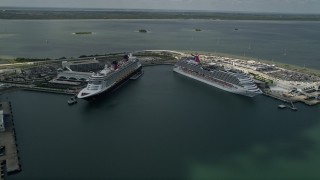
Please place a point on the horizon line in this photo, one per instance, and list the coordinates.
(147, 10)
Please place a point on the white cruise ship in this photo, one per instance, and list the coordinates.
(226, 79)
(110, 77)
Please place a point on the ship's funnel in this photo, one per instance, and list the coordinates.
(126, 57)
(196, 58)
(115, 65)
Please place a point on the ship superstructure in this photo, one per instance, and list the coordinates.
(110, 77)
(230, 80)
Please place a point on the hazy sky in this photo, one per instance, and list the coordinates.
(284, 6)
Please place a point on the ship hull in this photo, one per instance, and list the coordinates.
(232, 90)
(113, 87)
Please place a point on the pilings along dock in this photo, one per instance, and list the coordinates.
(8, 147)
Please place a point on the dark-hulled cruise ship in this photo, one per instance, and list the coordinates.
(110, 77)
(226, 79)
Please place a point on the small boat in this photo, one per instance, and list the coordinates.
(282, 106)
(293, 108)
(72, 101)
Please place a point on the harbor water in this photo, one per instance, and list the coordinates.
(164, 125)
(292, 42)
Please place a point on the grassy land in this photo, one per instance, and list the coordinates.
(20, 60)
(163, 56)
(6, 61)
(83, 33)
(116, 14)
(143, 30)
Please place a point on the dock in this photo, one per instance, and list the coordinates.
(3, 171)
(16, 86)
(9, 152)
(51, 90)
(275, 97)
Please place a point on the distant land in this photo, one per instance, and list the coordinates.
(38, 13)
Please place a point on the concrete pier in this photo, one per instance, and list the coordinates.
(276, 97)
(9, 152)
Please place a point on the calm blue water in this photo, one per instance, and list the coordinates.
(284, 41)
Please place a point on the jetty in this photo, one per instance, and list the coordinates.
(9, 157)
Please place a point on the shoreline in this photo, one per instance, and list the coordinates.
(11, 61)
(287, 66)
(270, 83)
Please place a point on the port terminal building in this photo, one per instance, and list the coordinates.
(78, 70)
(74, 76)
(83, 65)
